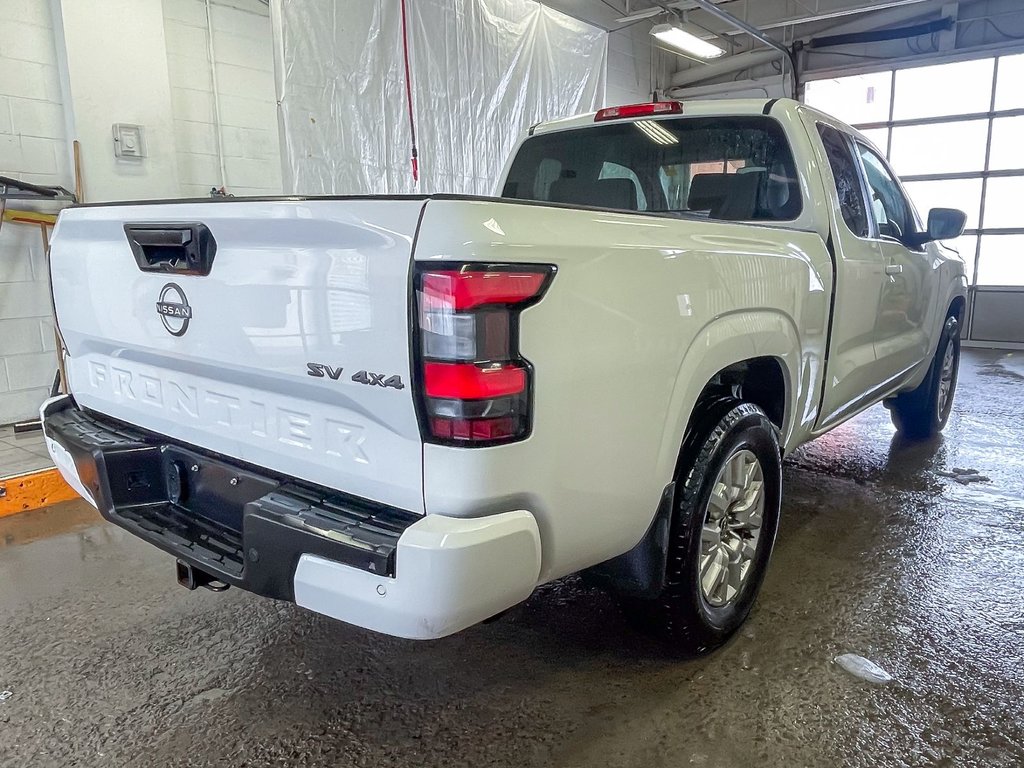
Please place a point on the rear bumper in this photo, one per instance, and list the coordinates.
(377, 567)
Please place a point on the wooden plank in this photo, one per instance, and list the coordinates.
(33, 490)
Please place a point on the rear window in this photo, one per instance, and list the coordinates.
(728, 168)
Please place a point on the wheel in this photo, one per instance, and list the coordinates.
(923, 412)
(728, 494)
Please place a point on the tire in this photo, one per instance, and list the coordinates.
(923, 412)
(697, 616)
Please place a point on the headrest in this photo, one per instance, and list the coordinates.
(782, 197)
(708, 190)
(740, 204)
(603, 193)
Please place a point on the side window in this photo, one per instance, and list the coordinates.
(616, 171)
(847, 176)
(893, 213)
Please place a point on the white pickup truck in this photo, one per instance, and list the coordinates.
(408, 412)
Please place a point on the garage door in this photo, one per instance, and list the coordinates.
(952, 131)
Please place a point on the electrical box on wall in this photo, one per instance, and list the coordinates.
(129, 141)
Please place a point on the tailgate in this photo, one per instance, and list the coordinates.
(272, 332)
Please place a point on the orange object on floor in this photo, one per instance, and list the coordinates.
(33, 490)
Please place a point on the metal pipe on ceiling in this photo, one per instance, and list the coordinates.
(894, 15)
(722, 67)
(708, 7)
(757, 34)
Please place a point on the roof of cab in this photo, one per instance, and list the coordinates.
(699, 108)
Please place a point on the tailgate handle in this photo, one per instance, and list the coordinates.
(181, 249)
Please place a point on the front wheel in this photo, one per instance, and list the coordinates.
(923, 412)
(723, 528)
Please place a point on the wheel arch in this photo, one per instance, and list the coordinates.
(760, 352)
(958, 309)
(725, 354)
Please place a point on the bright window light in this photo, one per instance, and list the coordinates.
(656, 133)
(686, 42)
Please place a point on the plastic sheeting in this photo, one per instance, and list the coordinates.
(483, 71)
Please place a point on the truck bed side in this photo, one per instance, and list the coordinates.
(644, 310)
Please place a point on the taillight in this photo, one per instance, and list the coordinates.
(474, 386)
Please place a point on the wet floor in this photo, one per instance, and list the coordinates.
(880, 553)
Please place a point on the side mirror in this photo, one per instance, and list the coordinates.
(943, 224)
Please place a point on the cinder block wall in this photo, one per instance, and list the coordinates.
(631, 76)
(245, 84)
(33, 148)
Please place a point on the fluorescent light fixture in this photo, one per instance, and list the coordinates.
(684, 41)
(656, 133)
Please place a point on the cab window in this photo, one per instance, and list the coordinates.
(728, 168)
(889, 206)
(847, 179)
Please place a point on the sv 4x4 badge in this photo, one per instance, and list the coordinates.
(320, 371)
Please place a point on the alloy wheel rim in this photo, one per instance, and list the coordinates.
(946, 378)
(731, 530)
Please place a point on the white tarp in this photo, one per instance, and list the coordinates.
(483, 71)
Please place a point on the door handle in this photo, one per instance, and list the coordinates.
(184, 249)
(894, 269)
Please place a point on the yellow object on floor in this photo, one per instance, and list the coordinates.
(33, 490)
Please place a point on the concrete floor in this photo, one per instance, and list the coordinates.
(110, 663)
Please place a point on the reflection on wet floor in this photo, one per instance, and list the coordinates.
(880, 553)
(60, 518)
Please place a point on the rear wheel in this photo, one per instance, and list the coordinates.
(723, 529)
(923, 412)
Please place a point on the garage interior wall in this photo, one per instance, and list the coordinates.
(636, 68)
(32, 147)
(483, 71)
(247, 136)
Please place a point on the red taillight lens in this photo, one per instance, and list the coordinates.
(476, 430)
(466, 381)
(639, 110)
(475, 386)
(467, 290)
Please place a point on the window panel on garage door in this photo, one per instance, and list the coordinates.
(1009, 93)
(1003, 202)
(959, 88)
(939, 148)
(854, 99)
(1007, 143)
(1002, 260)
(964, 194)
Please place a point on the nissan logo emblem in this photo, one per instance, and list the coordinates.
(174, 310)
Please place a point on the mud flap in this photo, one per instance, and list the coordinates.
(640, 572)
